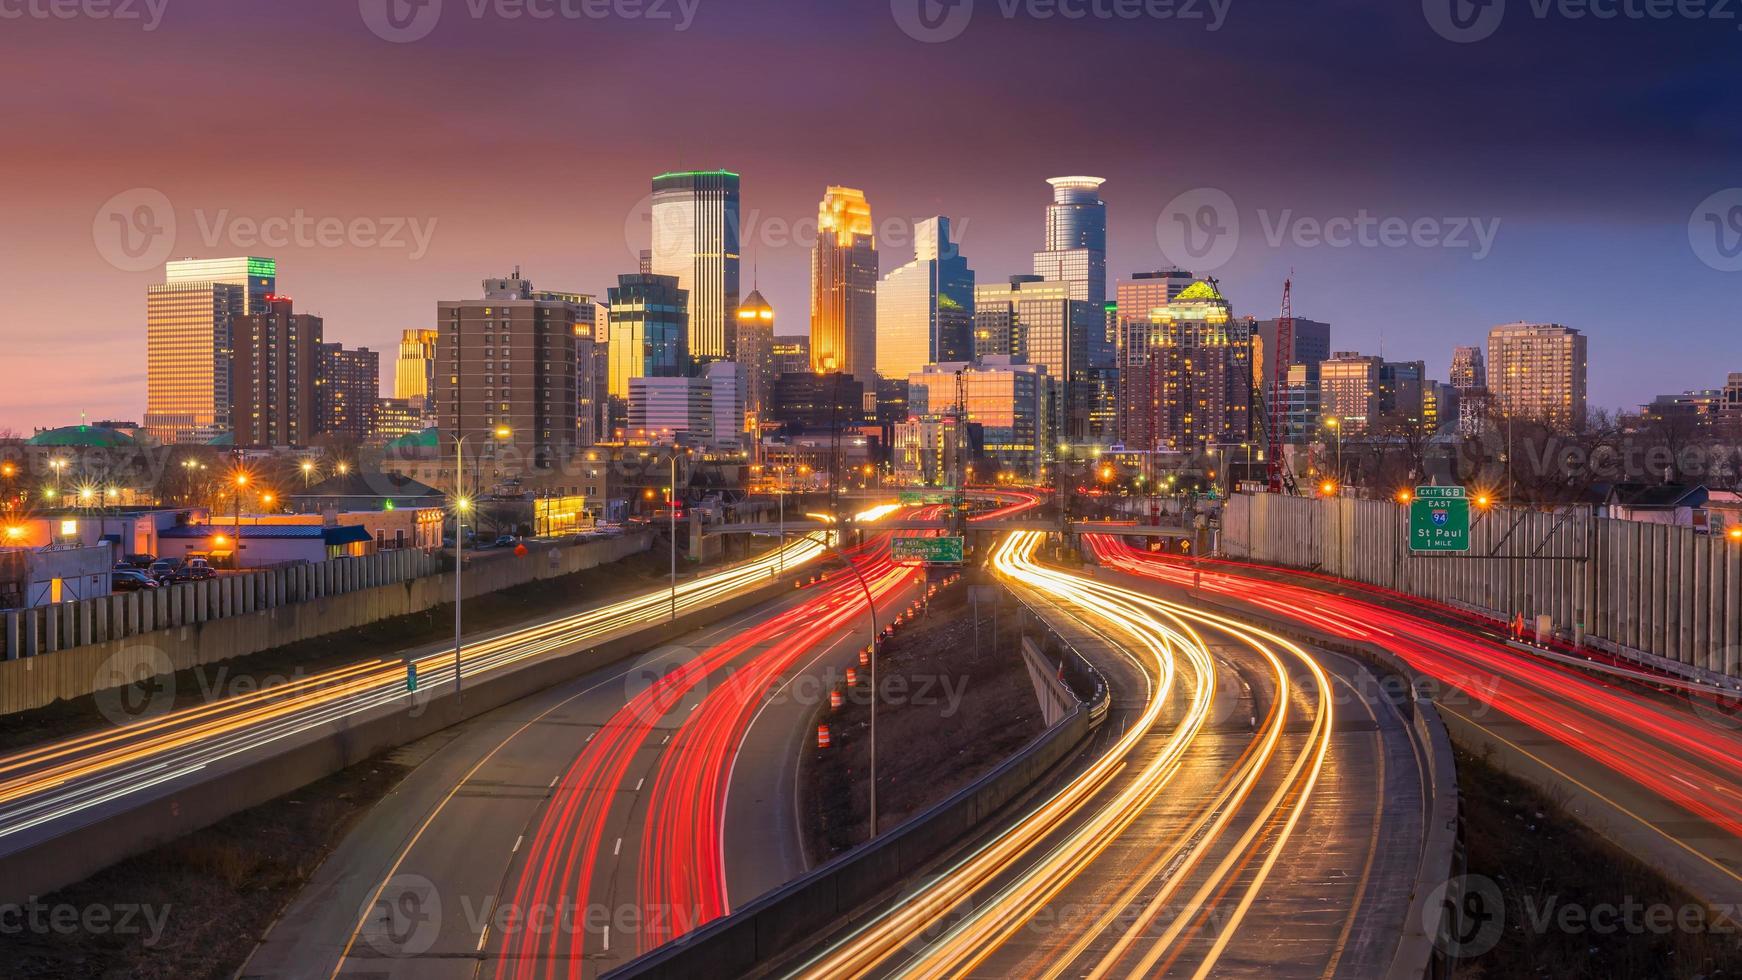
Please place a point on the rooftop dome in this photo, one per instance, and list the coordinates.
(89, 436)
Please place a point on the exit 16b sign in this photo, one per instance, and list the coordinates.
(1439, 519)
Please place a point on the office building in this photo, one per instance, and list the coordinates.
(1004, 397)
(1349, 391)
(844, 286)
(507, 360)
(666, 410)
(1401, 392)
(274, 375)
(1312, 345)
(187, 359)
(414, 370)
(756, 352)
(346, 391)
(1076, 239)
(1537, 371)
(925, 309)
(649, 324)
(1439, 407)
(695, 241)
(1469, 370)
(1136, 301)
(257, 276)
(1301, 403)
(726, 385)
(791, 355)
(817, 402)
(1192, 391)
(930, 450)
(1036, 320)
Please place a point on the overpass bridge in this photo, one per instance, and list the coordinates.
(1002, 524)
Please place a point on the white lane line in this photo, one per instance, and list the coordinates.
(638, 783)
(517, 842)
(618, 848)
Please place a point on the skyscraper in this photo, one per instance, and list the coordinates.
(274, 375)
(187, 359)
(414, 371)
(695, 239)
(1349, 390)
(508, 360)
(792, 355)
(1136, 300)
(1192, 390)
(347, 390)
(1076, 239)
(756, 351)
(1537, 371)
(844, 286)
(925, 309)
(1312, 345)
(1036, 320)
(1469, 370)
(257, 276)
(649, 321)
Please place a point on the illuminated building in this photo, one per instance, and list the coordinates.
(649, 321)
(187, 359)
(1469, 371)
(726, 386)
(791, 355)
(1003, 396)
(275, 373)
(1136, 300)
(1067, 337)
(414, 371)
(508, 360)
(1537, 371)
(817, 402)
(395, 418)
(1349, 390)
(844, 285)
(665, 410)
(347, 390)
(1312, 345)
(756, 351)
(1193, 389)
(257, 276)
(1301, 402)
(1076, 239)
(925, 309)
(695, 240)
(1401, 390)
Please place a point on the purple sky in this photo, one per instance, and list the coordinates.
(511, 140)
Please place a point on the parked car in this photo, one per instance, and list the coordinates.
(141, 562)
(130, 580)
(505, 541)
(197, 570)
(164, 569)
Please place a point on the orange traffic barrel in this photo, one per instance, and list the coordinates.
(822, 736)
(852, 676)
(835, 699)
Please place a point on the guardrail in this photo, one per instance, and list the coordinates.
(772, 925)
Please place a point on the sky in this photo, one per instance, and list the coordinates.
(1425, 170)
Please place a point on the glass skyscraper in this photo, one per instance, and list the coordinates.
(695, 240)
(257, 276)
(925, 309)
(187, 359)
(649, 321)
(1076, 239)
(844, 286)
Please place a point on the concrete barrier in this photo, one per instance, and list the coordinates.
(136, 828)
(773, 925)
(199, 623)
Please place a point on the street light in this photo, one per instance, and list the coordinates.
(308, 471)
(462, 504)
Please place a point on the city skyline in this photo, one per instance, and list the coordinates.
(1625, 221)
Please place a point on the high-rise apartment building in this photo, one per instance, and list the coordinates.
(188, 334)
(1076, 239)
(844, 285)
(1136, 301)
(925, 309)
(1349, 390)
(1192, 389)
(274, 376)
(1469, 370)
(1537, 371)
(649, 324)
(508, 360)
(756, 352)
(347, 391)
(695, 240)
(414, 371)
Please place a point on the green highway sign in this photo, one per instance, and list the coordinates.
(1439, 520)
(929, 551)
(914, 499)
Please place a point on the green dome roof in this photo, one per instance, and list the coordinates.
(89, 436)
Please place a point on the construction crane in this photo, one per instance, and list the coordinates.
(1274, 410)
(959, 500)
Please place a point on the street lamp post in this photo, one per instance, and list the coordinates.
(461, 505)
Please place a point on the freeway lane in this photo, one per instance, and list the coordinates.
(1655, 773)
(57, 787)
(1197, 825)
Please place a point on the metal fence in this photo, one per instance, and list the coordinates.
(1643, 589)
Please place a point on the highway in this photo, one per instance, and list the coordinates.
(1651, 767)
(50, 789)
(1251, 809)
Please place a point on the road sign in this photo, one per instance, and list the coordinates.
(928, 551)
(1439, 520)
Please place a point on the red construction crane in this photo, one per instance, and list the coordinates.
(1281, 355)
